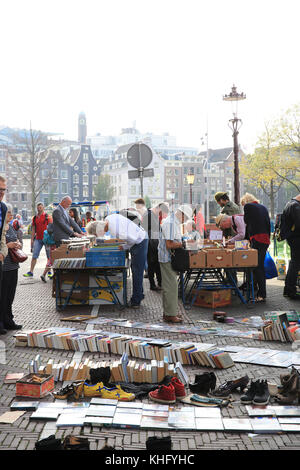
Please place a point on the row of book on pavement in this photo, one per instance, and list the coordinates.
(203, 354)
(122, 370)
(111, 413)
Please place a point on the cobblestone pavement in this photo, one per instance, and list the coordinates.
(34, 307)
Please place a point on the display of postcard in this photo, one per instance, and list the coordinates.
(206, 412)
(98, 421)
(130, 404)
(24, 405)
(134, 411)
(179, 420)
(162, 414)
(45, 413)
(154, 407)
(72, 419)
(209, 424)
(265, 425)
(287, 410)
(260, 410)
(56, 405)
(99, 410)
(290, 427)
(154, 422)
(237, 424)
(103, 401)
(289, 420)
(127, 420)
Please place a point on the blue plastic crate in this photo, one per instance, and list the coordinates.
(95, 259)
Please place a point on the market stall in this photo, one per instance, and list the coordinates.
(89, 272)
(213, 269)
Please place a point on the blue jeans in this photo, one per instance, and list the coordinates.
(37, 246)
(138, 262)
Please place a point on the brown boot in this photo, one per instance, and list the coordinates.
(172, 319)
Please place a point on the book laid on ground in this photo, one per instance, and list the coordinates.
(24, 405)
(265, 425)
(128, 419)
(209, 424)
(154, 422)
(72, 419)
(48, 414)
(237, 424)
(12, 377)
(97, 421)
(101, 410)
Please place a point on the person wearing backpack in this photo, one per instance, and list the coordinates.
(49, 243)
(39, 225)
(290, 231)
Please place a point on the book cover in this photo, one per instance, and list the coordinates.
(12, 377)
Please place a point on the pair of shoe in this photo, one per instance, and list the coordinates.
(225, 389)
(43, 278)
(13, 326)
(133, 305)
(156, 288)
(257, 394)
(172, 319)
(73, 389)
(168, 394)
(204, 383)
(292, 295)
(114, 392)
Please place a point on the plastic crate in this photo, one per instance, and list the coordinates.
(95, 259)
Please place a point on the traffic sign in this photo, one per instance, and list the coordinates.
(139, 155)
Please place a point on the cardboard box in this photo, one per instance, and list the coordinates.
(213, 298)
(244, 258)
(64, 251)
(34, 389)
(198, 259)
(79, 297)
(218, 258)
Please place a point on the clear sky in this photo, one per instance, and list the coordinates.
(165, 64)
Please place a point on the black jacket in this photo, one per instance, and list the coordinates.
(257, 219)
(3, 210)
(292, 217)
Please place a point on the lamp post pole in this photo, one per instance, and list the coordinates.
(190, 179)
(235, 125)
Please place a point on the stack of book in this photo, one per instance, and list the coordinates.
(122, 370)
(69, 263)
(115, 343)
(278, 328)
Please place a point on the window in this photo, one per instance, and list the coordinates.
(76, 191)
(2, 167)
(64, 188)
(95, 179)
(76, 178)
(54, 188)
(85, 157)
(64, 174)
(23, 197)
(14, 197)
(54, 173)
(85, 191)
(85, 168)
(85, 179)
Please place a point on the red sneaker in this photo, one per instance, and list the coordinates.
(163, 394)
(179, 388)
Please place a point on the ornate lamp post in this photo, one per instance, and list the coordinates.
(235, 125)
(190, 179)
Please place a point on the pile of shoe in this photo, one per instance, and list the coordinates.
(169, 393)
(70, 442)
(289, 392)
(258, 393)
(205, 384)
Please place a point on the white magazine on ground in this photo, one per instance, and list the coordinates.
(237, 424)
(209, 424)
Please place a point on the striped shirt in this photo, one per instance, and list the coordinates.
(170, 230)
(11, 236)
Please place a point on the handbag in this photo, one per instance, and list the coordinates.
(180, 259)
(270, 267)
(17, 255)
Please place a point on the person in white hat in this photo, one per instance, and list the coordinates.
(171, 239)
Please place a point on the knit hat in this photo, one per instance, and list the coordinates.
(220, 195)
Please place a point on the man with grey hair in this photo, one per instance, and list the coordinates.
(63, 225)
(136, 242)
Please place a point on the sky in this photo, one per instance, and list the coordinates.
(164, 64)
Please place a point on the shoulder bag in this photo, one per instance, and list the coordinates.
(17, 255)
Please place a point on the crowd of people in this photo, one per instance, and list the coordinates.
(150, 235)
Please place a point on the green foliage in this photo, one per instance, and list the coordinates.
(104, 191)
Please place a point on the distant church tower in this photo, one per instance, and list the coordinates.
(82, 132)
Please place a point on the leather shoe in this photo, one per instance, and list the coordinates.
(172, 319)
(13, 326)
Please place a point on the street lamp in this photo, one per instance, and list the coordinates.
(190, 179)
(235, 125)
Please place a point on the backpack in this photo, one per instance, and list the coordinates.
(34, 219)
(48, 235)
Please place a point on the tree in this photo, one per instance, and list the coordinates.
(104, 191)
(147, 202)
(259, 168)
(29, 153)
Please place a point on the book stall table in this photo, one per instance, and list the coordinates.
(100, 280)
(214, 268)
